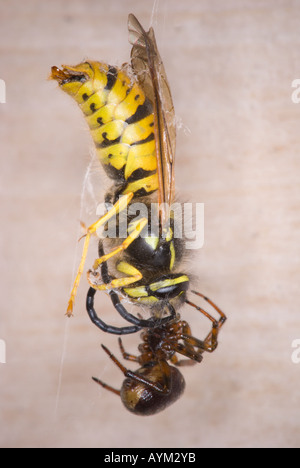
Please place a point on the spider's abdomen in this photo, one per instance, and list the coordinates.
(143, 400)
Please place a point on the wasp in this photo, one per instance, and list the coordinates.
(131, 117)
(130, 113)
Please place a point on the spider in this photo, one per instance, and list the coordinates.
(156, 384)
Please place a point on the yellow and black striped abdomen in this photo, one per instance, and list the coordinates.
(121, 121)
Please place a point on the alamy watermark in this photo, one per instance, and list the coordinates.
(186, 221)
(2, 92)
(295, 357)
(296, 94)
(2, 352)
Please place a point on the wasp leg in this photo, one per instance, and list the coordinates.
(119, 206)
(133, 273)
(107, 280)
(91, 310)
(125, 244)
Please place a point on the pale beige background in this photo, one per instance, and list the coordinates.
(230, 65)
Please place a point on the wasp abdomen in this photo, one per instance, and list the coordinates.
(121, 121)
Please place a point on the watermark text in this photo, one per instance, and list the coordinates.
(296, 94)
(2, 352)
(2, 92)
(185, 221)
(295, 357)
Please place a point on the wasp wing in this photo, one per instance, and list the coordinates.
(149, 69)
